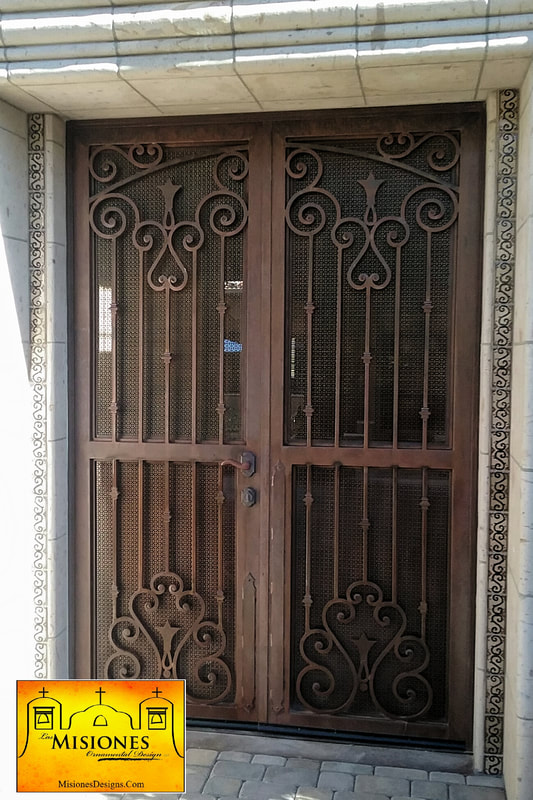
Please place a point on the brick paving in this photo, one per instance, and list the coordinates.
(238, 774)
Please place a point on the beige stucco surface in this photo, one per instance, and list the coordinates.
(82, 60)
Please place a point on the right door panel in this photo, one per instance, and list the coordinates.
(376, 283)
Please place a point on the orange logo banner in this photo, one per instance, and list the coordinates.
(101, 736)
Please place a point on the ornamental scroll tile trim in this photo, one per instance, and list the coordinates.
(508, 104)
(37, 257)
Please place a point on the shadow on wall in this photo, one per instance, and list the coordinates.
(14, 258)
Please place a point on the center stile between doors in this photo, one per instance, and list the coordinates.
(277, 331)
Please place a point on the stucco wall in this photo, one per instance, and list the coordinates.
(16, 498)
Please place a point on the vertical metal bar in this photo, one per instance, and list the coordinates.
(221, 308)
(220, 544)
(338, 342)
(367, 358)
(336, 527)
(140, 520)
(427, 306)
(394, 549)
(309, 310)
(140, 423)
(424, 506)
(114, 359)
(193, 525)
(167, 515)
(194, 346)
(308, 501)
(114, 493)
(396, 378)
(365, 524)
(167, 358)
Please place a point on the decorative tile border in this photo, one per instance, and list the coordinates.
(500, 425)
(37, 238)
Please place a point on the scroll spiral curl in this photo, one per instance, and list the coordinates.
(172, 621)
(323, 686)
(297, 168)
(123, 663)
(103, 166)
(434, 212)
(226, 211)
(108, 215)
(234, 164)
(442, 155)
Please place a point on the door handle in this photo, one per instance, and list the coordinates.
(246, 465)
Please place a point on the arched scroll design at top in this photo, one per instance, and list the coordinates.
(222, 211)
(307, 215)
(362, 648)
(177, 639)
(369, 240)
(442, 155)
(104, 169)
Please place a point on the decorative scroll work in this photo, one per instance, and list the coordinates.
(504, 271)
(39, 381)
(172, 620)
(163, 219)
(369, 233)
(362, 636)
(110, 209)
(167, 262)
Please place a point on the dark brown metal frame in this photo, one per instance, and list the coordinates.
(263, 548)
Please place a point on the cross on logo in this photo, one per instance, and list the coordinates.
(100, 692)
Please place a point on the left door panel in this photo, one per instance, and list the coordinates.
(164, 370)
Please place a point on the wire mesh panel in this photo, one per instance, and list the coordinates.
(370, 240)
(168, 242)
(165, 567)
(370, 581)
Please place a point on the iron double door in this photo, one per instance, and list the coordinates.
(305, 291)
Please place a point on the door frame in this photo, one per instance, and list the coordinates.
(271, 557)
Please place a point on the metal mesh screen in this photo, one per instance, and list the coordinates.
(168, 246)
(165, 555)
(370, 591)
(370, 245)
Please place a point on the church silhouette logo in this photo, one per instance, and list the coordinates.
(100, 735)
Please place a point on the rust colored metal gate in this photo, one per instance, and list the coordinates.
(330, 583)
